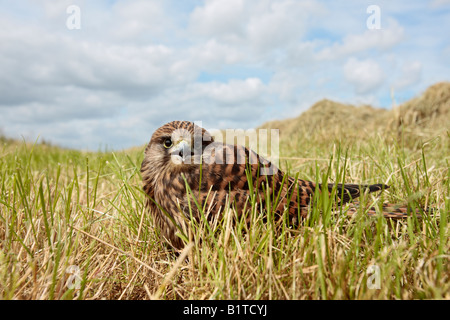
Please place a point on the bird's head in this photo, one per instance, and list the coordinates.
(175, 147)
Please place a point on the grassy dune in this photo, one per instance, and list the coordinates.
(73, 225)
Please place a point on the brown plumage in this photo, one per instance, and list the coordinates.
(172, 160)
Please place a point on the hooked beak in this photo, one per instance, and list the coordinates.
(181, 152)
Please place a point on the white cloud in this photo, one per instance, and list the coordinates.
(411, 73)
(377, 39)
(280, 24)
(213, 54)
(219, 19)
(233, 92)
(235, 100)
(440, 3)
(135, 65)
(140, 19)
(365, 75)
(259, 26)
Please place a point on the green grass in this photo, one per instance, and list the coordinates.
(61, 208)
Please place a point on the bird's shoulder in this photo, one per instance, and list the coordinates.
(229, 167)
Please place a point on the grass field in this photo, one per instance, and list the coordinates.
(73, 226)
(62, 208)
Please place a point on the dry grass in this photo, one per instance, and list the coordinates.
(62, 208)
(421, 117)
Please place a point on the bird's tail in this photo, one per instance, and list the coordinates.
(348, 192)
(392, 211)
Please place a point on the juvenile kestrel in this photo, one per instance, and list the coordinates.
(181, 154)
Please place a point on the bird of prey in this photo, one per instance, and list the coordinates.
(182, 162)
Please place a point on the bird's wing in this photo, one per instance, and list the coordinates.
(231, 174)
(235, 173)
(227, 173)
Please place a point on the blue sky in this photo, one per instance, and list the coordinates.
(135, 65)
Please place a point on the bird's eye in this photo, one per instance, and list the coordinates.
(168, 143)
